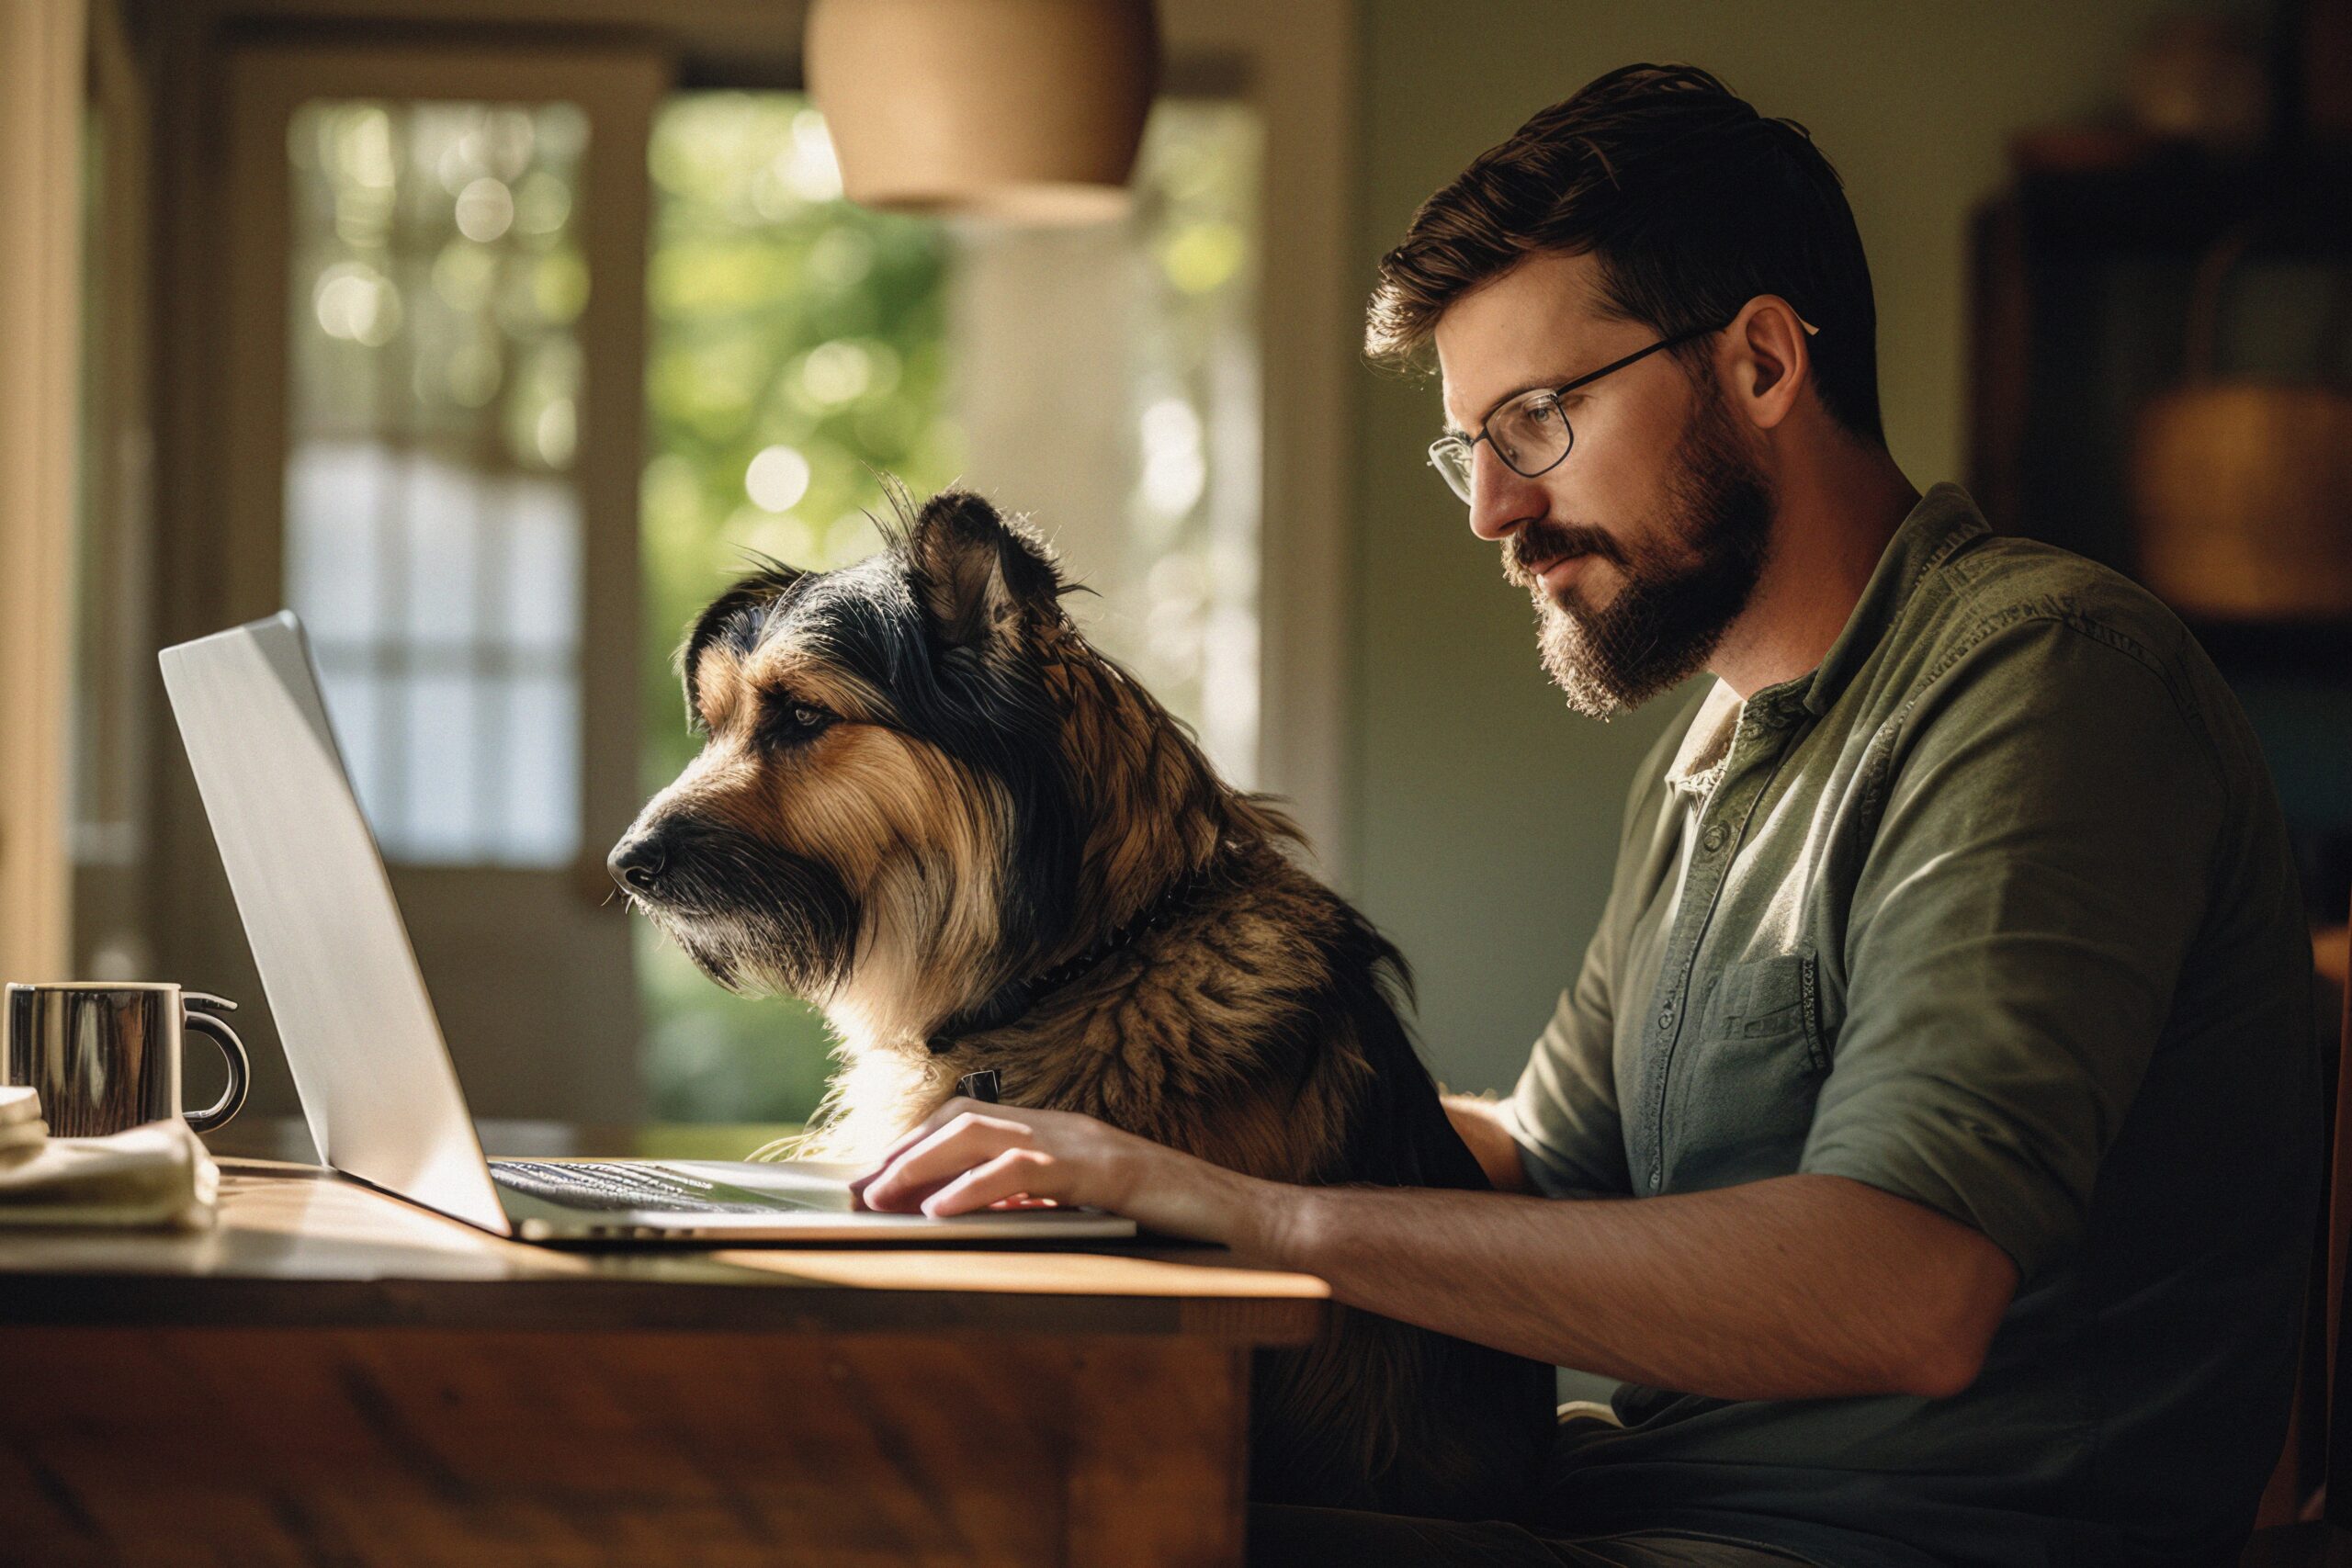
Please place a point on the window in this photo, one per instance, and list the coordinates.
(432, 529)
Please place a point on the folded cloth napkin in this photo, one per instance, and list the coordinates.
(157, 1174)
(22, 1132)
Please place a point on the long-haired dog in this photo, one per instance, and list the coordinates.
(926, 805)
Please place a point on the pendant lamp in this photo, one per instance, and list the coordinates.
(1023, 110)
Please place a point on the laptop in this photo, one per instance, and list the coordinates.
(377, 1083)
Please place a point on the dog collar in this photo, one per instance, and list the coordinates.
(1016, 997)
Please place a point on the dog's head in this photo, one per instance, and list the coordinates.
(883, 806)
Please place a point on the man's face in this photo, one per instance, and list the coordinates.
(1643, 546)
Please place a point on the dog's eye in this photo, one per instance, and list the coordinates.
(787, 722)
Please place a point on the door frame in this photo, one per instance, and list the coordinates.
(43, 68)
(266, 84)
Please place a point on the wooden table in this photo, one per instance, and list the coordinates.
(332, 1376)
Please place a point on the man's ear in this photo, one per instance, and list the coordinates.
(975, 574)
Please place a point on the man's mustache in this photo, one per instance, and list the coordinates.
(1538, 544)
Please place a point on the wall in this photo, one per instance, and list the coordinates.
(1485, 814)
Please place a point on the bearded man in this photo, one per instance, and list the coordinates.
(1929, 1142)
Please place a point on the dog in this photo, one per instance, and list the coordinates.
(927, 805)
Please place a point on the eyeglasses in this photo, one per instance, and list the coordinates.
(1531, 432)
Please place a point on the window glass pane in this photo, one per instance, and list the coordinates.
(538, 604)
(538, 733)
(433, 524)
(438, 518)
(351, 693)
(439, 763)
(332, 576)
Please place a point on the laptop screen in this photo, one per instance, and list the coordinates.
(376, 1084)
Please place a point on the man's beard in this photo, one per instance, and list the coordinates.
(1678, 594)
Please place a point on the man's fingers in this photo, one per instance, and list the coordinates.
(929, 1125)
(952, 1150)
(857, 1183)
(1015, 1172)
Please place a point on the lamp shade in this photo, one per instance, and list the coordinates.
(1027, 110)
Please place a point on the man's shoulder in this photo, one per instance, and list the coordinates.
(2011, 628)
(2007, 616)
(2020, 605)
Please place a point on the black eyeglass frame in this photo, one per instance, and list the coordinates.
(1450, 441)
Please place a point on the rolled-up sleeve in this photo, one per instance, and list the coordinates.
(2050, 816)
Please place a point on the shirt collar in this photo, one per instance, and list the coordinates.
(1944, 520)
(1699, 761)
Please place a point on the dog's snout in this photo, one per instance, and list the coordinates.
(636, 861)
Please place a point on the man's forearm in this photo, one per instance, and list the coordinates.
(1799, 1287)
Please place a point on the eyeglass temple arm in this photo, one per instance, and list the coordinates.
(1465, 440)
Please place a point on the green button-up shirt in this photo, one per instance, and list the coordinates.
(1994, 910)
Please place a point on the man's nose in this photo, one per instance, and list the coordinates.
(1501, 500)
(636, 861)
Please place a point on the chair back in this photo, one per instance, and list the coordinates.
(2336, 1415)
(2317, 1460)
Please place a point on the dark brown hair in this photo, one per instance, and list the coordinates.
(1693, 203)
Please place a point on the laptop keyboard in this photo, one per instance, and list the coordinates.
(611, 1187)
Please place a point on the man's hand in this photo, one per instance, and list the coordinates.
(971, 1155)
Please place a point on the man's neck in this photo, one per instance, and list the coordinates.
(1832, 524)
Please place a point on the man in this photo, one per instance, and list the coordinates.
(1930, 1140)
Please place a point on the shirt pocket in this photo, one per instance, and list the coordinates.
(1777, 999)
(1750, 1071)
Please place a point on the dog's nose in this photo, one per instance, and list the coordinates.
(636, 862)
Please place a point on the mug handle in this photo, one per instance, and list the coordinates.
(233, 1050)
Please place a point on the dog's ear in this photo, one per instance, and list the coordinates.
(733, 620)
(975, 574)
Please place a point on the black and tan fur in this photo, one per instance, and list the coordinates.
(921, 787)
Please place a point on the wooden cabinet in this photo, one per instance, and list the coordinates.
(2082, 272)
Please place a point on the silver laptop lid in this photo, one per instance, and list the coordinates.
(376, 1084)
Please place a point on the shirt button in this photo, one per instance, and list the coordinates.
(1713, 839)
